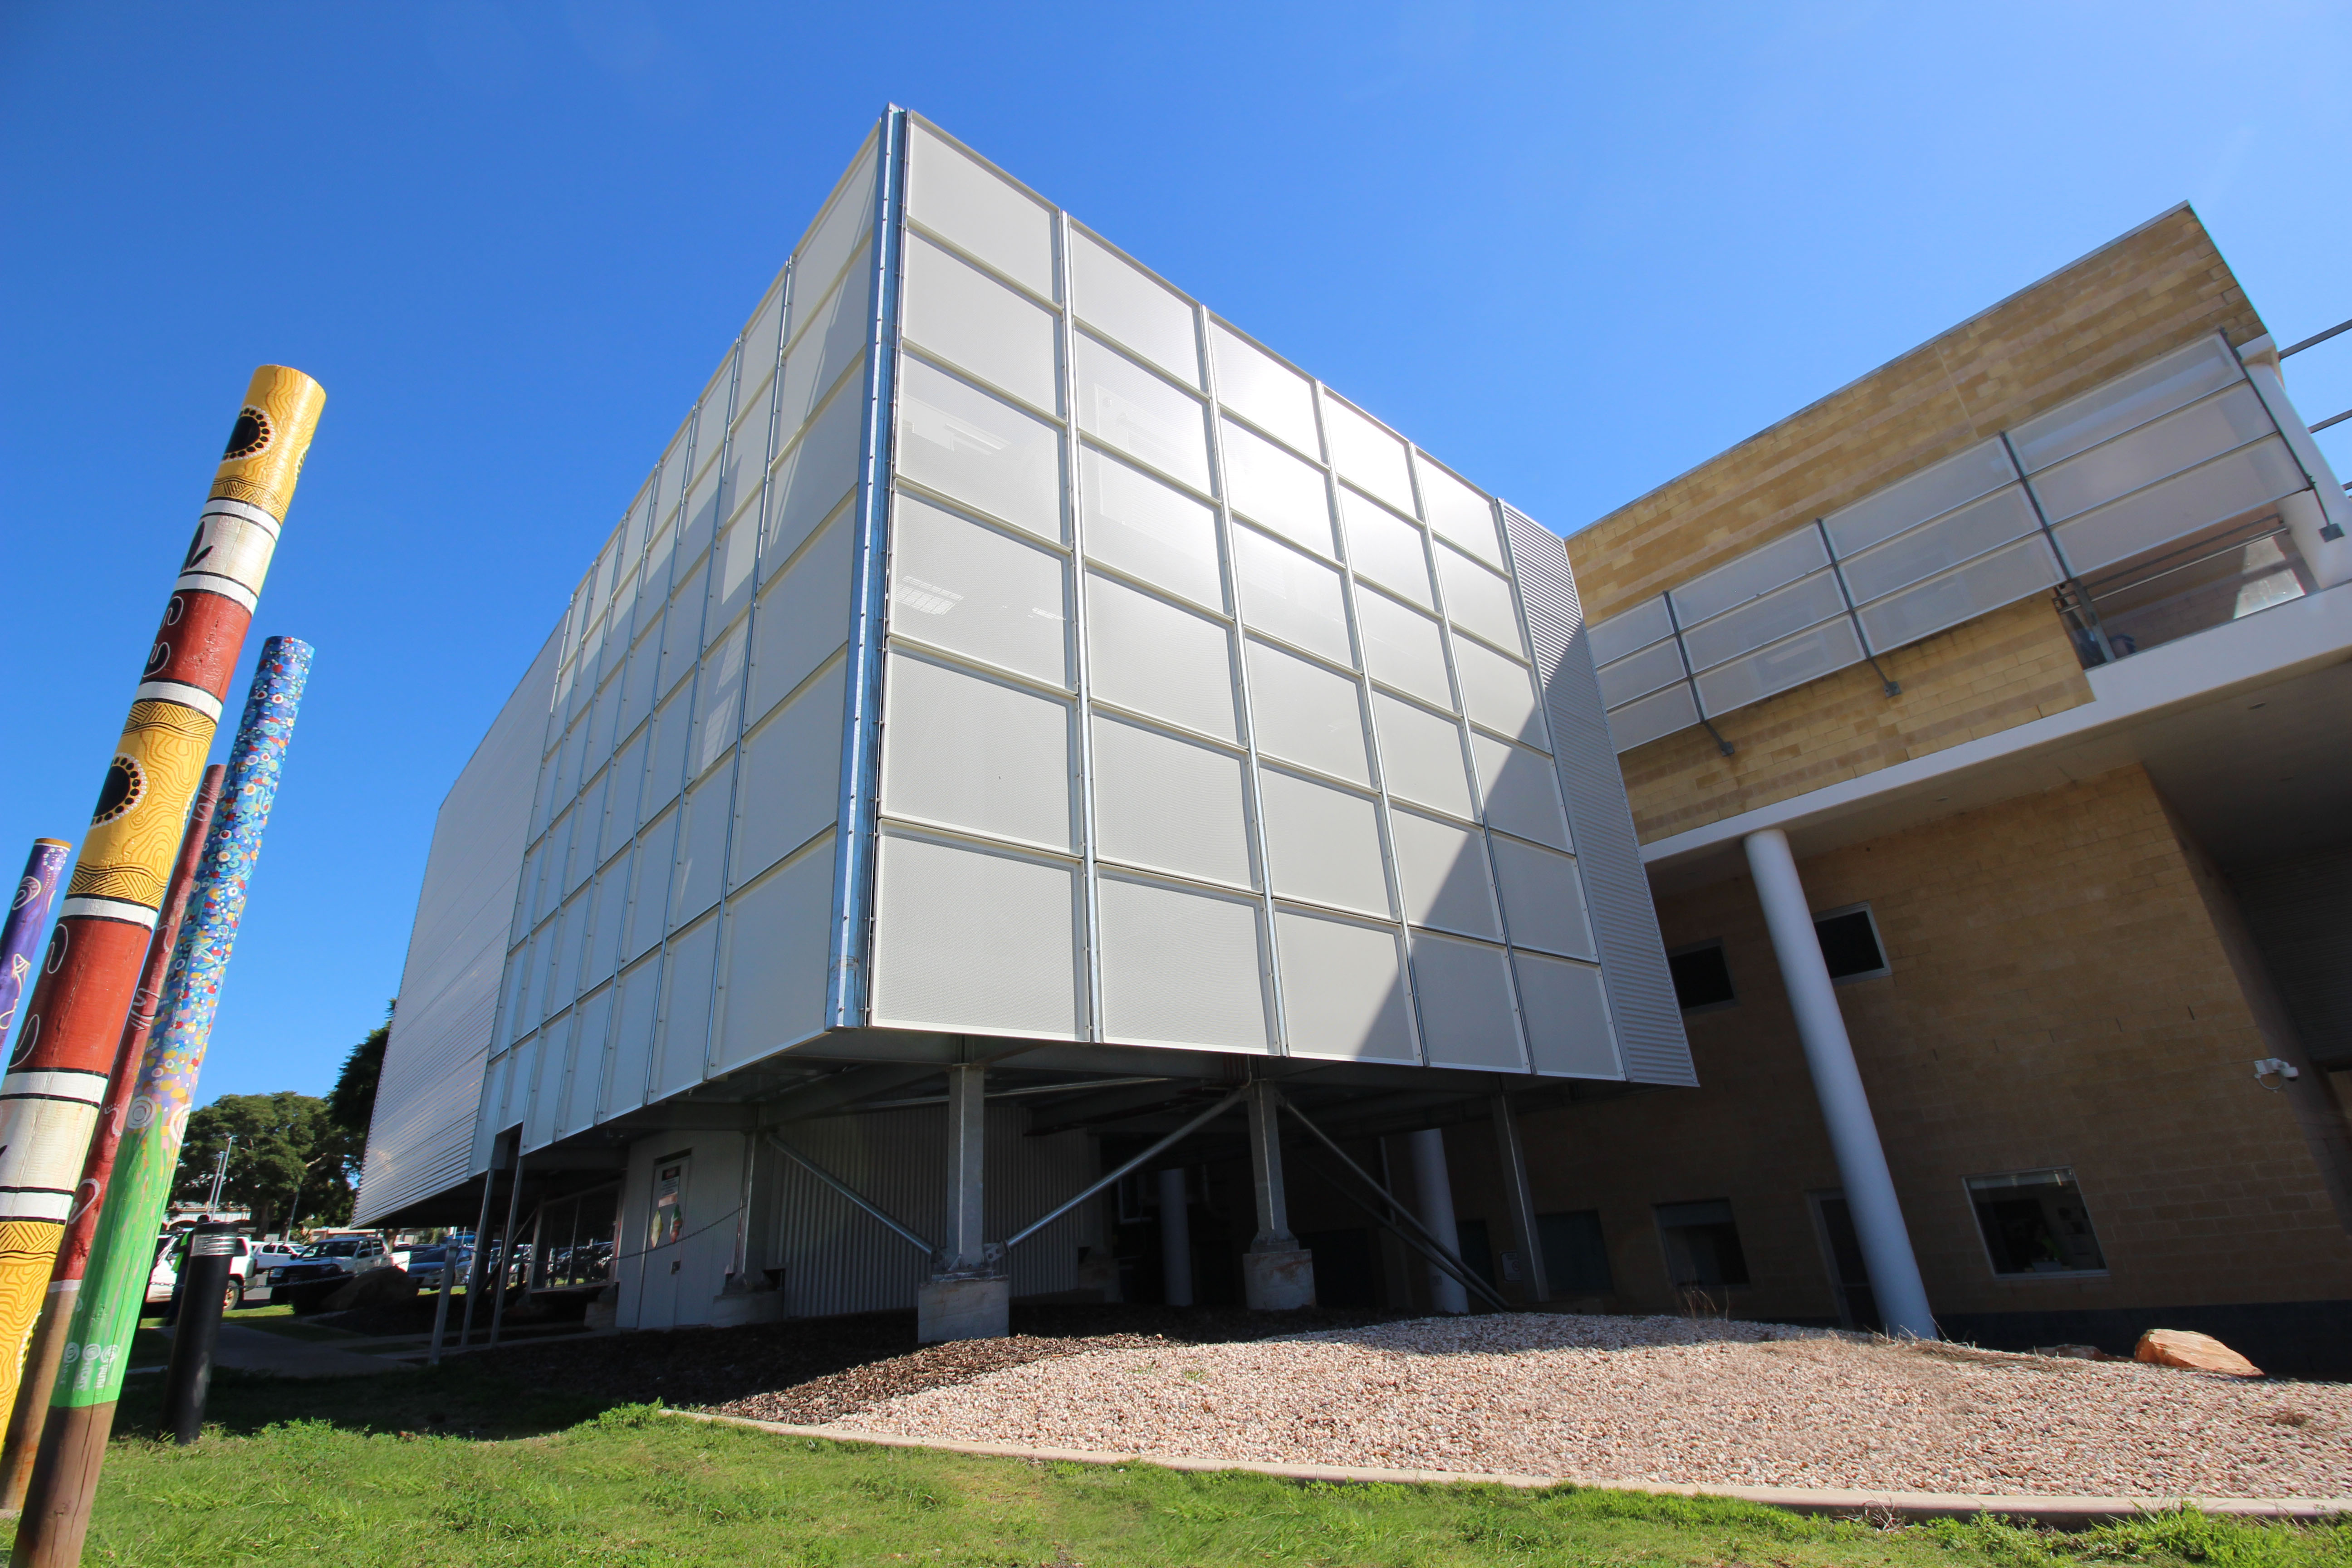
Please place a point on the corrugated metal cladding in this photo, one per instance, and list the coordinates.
(838, 1259)
(427, 1102)
(1632, 958)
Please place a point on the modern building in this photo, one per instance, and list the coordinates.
(1025, 735)
(1020, 718)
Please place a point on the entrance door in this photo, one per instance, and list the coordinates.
(664, 1242)
(1849, 1275)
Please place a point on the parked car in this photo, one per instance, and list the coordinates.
(248, 1271)
(425, 1260)
(325, 1265)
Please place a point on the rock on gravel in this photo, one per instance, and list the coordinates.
(1661, 1399)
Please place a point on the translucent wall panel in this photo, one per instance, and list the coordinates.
(719, 699)
(1567, 1017)
(962, 586)
(682, 1036)
(539, 1120)
(2153, 451)
(2250, 477)
(832, 337)
(971, 941)
(791, 777)
(1479, 601)
(1765, 618)
(1403, 649)
(1985, 584)
(701, 863)
(980, 450)
(1367, 455)
(1181, 966)
(1323, 844)
(1443, 869)
(1384, 548)
(631, 1051)
(1968, 531)
(638, 681)
(1460, 514)
(2157, 387)
(1148, 655)
(802, 618)
(1291, 596)
(1126, 407)
(967, 751)
(1499, 692)
(612, 920)
(1465, 1004)
(1167, 803)
(571, 928)
(1264, 391)
(1805, 657)
(1344, 992)
(1933, 490)
(1269, 486)
(1137, 525)
(1421, 755)
(772, 975)
(649, 898)
(950, 194)
(1638, 627)
(842, 235)
(1520, 791)
(1305, 714)
(673, 735)
(1760, 571)
(965, 317)
(1543, 900)
(1639, 674)
(1142, 314)
(587, 1074)
(682, 630)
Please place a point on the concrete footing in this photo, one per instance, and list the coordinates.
(962, 1308)
(732, 1309)
(1278, 1281)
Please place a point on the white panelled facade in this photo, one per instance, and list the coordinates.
(2175, 459)
(1209, 714)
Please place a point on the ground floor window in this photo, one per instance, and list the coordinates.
(2034, 1222)
(1576, 1257)
(572, 1243)
(1703, 1251)
(1702, 977)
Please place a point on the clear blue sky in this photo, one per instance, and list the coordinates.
(1572, 249)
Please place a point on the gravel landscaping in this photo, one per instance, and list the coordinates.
(1663, 1399)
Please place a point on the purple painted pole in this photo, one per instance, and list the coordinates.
(28, 917)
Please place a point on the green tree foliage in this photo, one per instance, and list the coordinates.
(352, 1102)
(292, 1163)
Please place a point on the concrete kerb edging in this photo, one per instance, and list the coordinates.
(2067, 1511)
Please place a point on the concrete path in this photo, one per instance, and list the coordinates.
(258, 1350)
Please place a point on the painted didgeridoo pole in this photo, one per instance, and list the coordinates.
(40, 1375)
(28, 912)
(56, 1514)
(56, 1075)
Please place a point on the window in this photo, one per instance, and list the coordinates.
(2034, 1222)
(1702, 977)
(1702, 1244)
(1576, 1257)
(1850, 943)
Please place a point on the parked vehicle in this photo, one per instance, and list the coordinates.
(325, 1266)
(426, 1258)
(248, 1271)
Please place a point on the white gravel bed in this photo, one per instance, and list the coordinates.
(1666, 1399)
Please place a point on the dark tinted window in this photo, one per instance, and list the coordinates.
(1850, 944)
(1576, 1257)
(1703, 1250)
(1702, 978)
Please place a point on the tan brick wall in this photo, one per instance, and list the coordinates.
(2152, 290)
(2060, 996)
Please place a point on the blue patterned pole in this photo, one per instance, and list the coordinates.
(81, 1412)
(28, 912)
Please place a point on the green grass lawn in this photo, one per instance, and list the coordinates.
(440, 1467)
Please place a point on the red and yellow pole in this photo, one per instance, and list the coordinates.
(56, 1077)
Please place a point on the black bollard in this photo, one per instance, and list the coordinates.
(203, 1287)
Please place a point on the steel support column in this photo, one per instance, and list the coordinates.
(1519, 1199)
(1277, 1274)
(968, 1296)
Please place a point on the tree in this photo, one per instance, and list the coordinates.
(352, 1102)
(291, 1160)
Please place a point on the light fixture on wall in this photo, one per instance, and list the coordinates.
(2271, 1068)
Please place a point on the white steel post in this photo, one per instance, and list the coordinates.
(1433, 1189)
(1277, 1274)
(1837, 1081)
(968, 1296)
(1175, 1239)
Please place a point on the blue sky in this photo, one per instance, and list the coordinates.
(1571, 249)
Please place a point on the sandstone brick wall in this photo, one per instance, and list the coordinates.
(2154, 290)
(2060, 995)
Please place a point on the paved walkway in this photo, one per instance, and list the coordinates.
(258, 1350)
